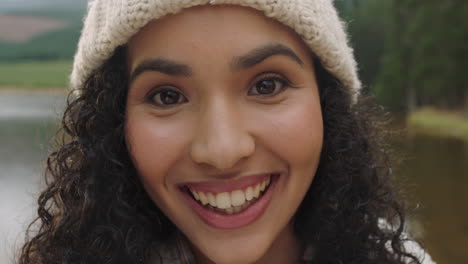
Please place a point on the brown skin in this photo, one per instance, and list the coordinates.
(220, 129)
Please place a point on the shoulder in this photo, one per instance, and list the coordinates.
(414, 248)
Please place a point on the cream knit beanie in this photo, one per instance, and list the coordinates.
(111, 23)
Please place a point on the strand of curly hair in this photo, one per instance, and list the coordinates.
(95, 210)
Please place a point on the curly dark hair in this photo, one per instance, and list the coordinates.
(95, 210)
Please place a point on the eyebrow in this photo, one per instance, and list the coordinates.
(260, 54)
(162, 65)
(246, 61)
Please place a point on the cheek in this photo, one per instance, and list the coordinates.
(154, 146)
(295, 133)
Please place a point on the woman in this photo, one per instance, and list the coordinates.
(209, 133)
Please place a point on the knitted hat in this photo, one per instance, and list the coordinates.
(111, 23)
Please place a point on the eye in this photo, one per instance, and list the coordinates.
(269, 85)
(166, 97)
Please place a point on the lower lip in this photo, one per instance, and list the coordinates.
(244, 218)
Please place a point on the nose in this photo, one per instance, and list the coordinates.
(222, 139)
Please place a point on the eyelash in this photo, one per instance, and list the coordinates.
(165, 88)
(276, 78)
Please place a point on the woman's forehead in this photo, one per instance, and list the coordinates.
(222, 30)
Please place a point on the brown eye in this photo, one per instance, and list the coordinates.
(167, 98)
(268, 86)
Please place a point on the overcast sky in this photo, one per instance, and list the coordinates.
(6, 5)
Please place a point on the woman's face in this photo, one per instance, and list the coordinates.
(224, 126)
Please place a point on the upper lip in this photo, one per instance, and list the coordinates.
(227, 185)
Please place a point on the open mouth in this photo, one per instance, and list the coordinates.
(231, 205)
(231, 202)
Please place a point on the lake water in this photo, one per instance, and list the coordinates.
(435, 176)
(26, 122)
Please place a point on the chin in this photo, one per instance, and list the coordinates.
(235, 255)
(243, 247)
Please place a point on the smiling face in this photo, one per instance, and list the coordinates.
(224, 126)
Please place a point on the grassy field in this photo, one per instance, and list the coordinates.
(439, 123)
(35, 75)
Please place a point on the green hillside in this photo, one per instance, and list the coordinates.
(45, 60)
(55, 45)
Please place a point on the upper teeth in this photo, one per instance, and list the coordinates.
(226, 200)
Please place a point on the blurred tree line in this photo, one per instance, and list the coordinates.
(411, 53)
